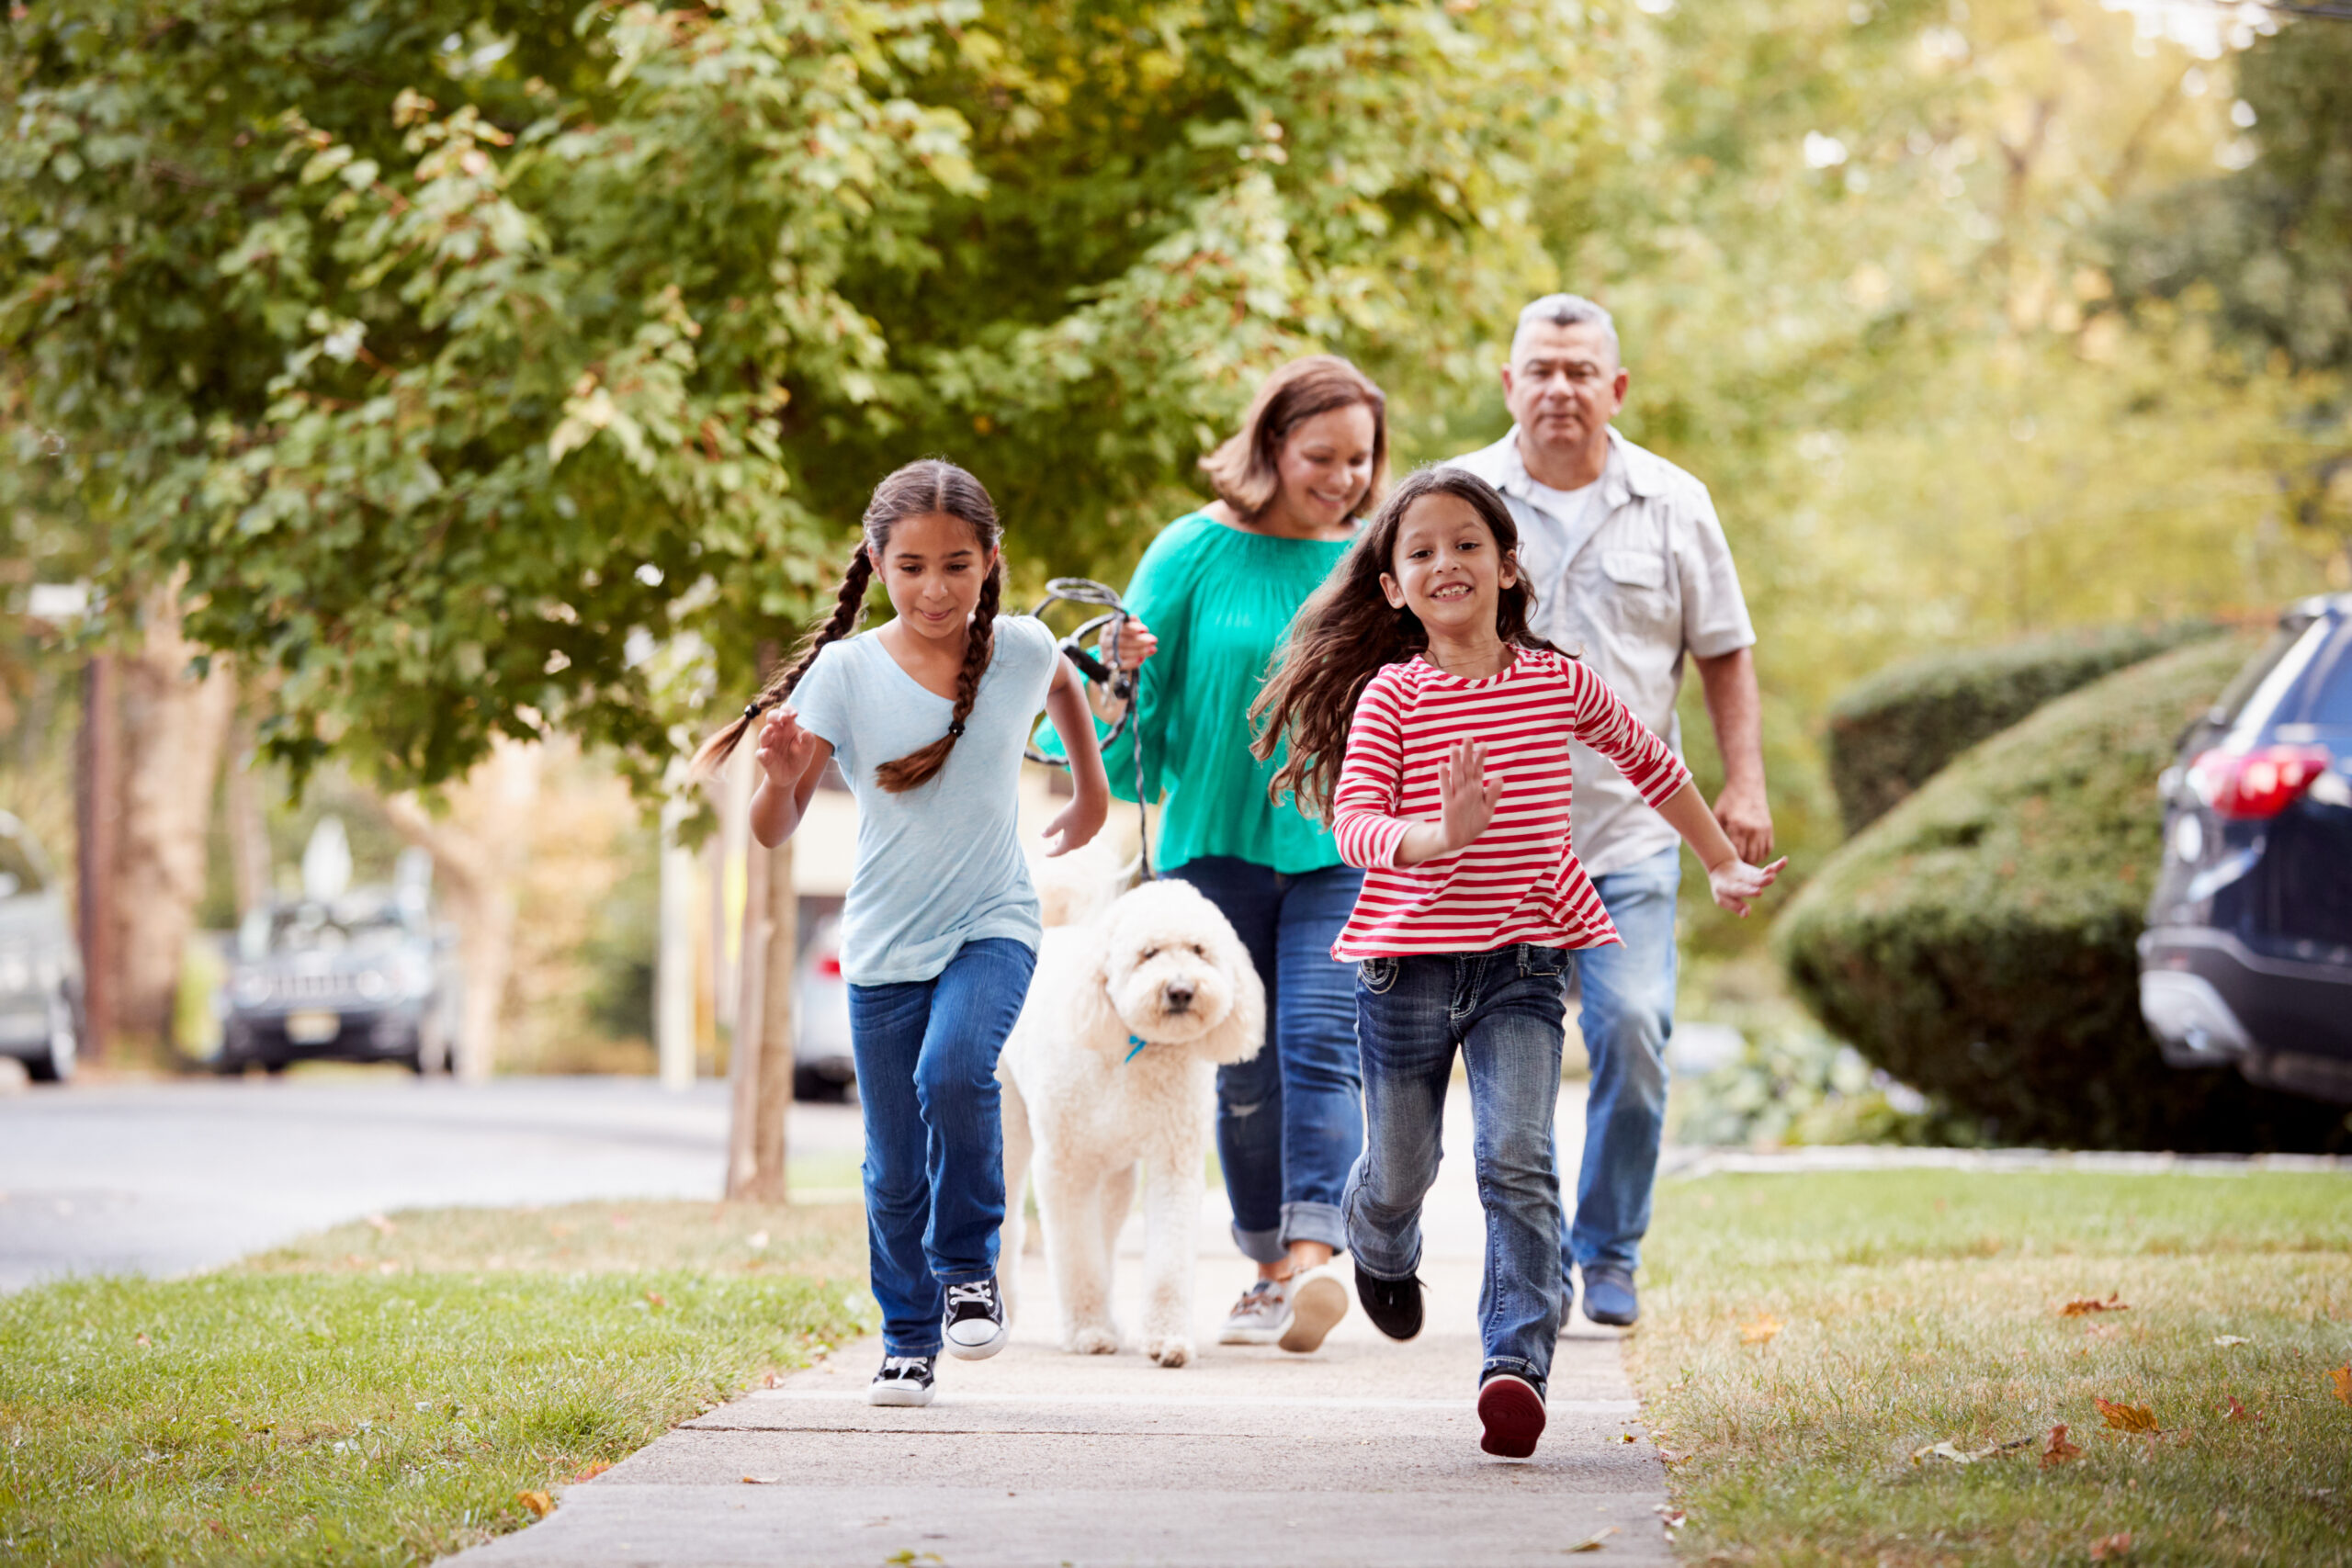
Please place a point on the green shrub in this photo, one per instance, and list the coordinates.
(1896, 730)
(1977, 940)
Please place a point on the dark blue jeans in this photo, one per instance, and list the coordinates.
(1507, 1010)
(1290, 1120)
(934, 1131)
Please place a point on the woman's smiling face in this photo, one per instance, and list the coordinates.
(1445, 568)
(1324, 466)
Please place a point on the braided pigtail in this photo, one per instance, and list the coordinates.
(849, 603)
(918, 768)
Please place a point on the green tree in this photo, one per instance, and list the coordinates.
(463, 357)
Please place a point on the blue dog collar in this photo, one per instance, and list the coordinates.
(1138, 1042)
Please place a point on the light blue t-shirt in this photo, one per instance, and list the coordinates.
(940, 864)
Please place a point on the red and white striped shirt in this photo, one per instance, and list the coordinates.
(1519, 881)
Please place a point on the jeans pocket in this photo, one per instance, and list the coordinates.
(1377, 974)
(1534, 960)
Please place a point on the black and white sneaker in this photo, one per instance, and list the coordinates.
(974, 1323)
(903, 1380)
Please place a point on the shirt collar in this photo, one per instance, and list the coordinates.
(1628, 472)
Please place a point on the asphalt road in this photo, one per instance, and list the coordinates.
(167, 1178)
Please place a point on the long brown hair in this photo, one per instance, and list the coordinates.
(920, 488)
(1347, 630)
(1244, 469)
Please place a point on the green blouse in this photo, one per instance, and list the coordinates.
(1219, 601)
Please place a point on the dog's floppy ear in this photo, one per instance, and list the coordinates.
(1094, 1023)
(1243, 1031)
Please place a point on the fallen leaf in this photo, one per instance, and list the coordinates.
(540, 1503)
(769, 1380)
(2237, 1412)
(2083, 1306)
(1669, 1516)
(1627, 1439)
(384, 1227)
(141, 1340)
(1592, 1543)
(216, 1526)
(2343, 1378)
(2128, 1418)
(1673, 1456)
(2058, 1450)
(1959, 1455)
(655, 1298)
(2226, 1340)
(593, 1470)
(2111, 1548)
(759, 1481)
(1760, 1332)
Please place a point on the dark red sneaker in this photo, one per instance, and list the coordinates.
(1511, 1412)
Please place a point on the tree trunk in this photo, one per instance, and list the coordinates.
(751, 1011)
(761, 1074)
(478, 854)
(673, 969)
(98, 812)
(173, 729)
(252, 870)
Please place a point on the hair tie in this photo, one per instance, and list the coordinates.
(955, 729)
(751, 710)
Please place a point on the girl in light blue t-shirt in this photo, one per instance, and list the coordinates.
(926, 715)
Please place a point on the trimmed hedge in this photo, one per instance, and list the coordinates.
(1898, 729)
(1977, 940)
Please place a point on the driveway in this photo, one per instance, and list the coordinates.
(167, 1178)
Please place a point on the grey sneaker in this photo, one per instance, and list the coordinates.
(1259, 1317)
(1609, 1296)
(1317, 1300)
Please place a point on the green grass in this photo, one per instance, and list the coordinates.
(1918, 1307)
(385, 1392)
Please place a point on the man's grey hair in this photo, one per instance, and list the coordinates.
(1567, 311)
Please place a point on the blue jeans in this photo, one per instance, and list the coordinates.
(1627, 1018)
(1290, 1120)
(1507, 1009)
(934, 1131)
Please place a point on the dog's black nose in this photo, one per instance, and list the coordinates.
(1179, 994)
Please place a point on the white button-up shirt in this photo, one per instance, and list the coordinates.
(1643, 577)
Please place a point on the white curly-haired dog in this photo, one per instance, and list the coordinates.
(1113, 1062)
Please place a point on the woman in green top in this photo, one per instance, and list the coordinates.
(1213, 594)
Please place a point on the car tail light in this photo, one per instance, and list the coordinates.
(829, 966)
(2250, 785)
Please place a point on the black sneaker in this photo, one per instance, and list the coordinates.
(903, 1380)
(974, 1324)
(1394, 1305)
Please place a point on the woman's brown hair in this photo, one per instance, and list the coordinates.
(915, 490)
(1244, 470)
(1347, 631)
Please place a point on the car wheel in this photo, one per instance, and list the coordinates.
(275, 1065)
(230, 1066)
(56, 1064)
(808, 1083)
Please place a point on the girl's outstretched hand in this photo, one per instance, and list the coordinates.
(1466, 801)
(1075, 825)
(1735, 881)
(785, 749)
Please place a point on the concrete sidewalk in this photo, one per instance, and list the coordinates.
(1364, 1455)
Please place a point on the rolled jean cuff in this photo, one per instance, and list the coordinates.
(1312, 1221)
(1261, 1246)
(1526, 1370)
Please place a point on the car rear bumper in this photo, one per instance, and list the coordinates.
(2210, 1000)
(364, 1035)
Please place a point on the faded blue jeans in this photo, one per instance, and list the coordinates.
(926, 1055)
(1507, 1011)
(1627, 1018)
(1289, 1119)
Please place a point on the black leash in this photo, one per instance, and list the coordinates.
(1121, 682)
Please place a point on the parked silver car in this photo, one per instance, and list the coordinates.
(41, 966)
(822, 1067)
(362, 978)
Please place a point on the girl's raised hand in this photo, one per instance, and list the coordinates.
(1735, 881)
(785, 749)
(1466, 801)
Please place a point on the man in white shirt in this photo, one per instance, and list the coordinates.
(1632, 573)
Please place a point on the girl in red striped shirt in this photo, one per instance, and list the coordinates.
(1430, 728)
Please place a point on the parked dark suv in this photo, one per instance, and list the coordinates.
(363, 977)
(2247, 957)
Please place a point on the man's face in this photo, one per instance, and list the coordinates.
(1563, 384)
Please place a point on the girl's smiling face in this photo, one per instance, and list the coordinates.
(1446, 570)
(933, 568)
